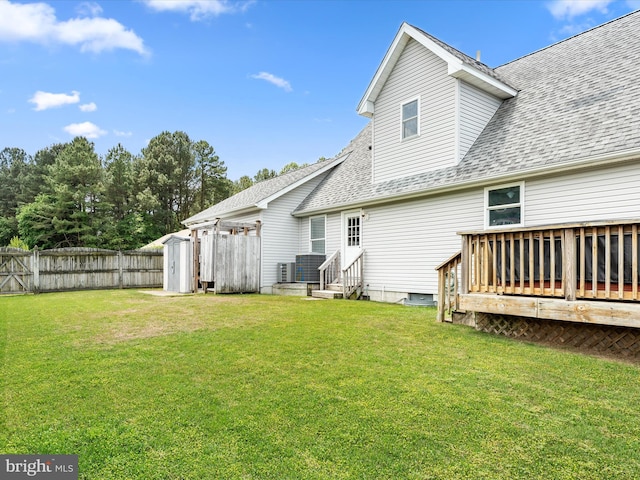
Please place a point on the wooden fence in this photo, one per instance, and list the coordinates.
(78, 268)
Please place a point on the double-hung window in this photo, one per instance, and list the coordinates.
(410, 115)
(504, 205)
(317, 234)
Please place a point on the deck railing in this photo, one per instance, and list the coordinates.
(353, 275)
(330, 270)
(576, 261)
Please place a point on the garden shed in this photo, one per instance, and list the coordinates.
(178, 261)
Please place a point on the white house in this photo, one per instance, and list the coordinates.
(271, 202)
(454, 145)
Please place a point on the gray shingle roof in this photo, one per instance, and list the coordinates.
(259, 192)
(578, 99)
(463, 57)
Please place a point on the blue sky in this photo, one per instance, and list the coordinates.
(266, 82)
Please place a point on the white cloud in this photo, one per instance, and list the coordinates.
(37, 22)
(572, 8)
(119, 133)
(88, 107)
(85, 129)
(199, 9)
(46, 100)
(89, 9)
(277, 81)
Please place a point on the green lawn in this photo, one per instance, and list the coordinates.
(247, 386)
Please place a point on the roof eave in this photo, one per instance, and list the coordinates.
(585, 162)
(210, 218)
(264, 203)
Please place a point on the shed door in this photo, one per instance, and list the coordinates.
(173, 279)
(351, 236)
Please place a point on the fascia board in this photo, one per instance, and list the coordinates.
(481, 80)
(383, 71)
(223, 215)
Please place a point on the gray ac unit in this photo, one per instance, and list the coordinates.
(307, 267)
(286, 272)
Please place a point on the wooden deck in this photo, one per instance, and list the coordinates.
(581, 272)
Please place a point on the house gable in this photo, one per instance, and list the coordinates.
(454, 96)
(418, 75)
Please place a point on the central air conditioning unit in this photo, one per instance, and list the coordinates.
(286, 272)
(307, 267)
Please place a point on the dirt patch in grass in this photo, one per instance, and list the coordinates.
(159, 317)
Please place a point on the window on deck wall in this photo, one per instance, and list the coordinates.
(504, 205)
(410, 127)
(317, 234)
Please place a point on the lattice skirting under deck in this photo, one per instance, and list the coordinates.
(601, 339)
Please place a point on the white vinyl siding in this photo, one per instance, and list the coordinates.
(476, 109)
(417, 74)
(281, 232)
(405, 242)
(595, 195)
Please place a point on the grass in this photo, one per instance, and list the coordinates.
(253, 387)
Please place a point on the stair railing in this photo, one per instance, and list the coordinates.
(330, 270)
(353, 276)
(449, 274)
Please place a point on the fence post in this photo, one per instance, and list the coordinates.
(35, 268)
(120, 269)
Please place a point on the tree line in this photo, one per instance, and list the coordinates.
(66, 195)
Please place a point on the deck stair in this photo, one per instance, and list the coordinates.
(331, 290)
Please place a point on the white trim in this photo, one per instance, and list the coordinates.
(519, 204)
(456, 126)
(402, 105)
(324, 216)
(343, 233)
(481, 80)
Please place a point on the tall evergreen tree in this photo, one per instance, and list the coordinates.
(15, 165)
(210, 174)
(76, 182)
(165, 174)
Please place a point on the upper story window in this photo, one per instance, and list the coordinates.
(504, 205)
(410, 124)
(317, 234)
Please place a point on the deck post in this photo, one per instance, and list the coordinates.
(570, 264)
(441, 295)
(465, 260)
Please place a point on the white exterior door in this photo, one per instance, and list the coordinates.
(351, 236)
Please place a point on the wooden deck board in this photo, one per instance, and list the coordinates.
(620, 314)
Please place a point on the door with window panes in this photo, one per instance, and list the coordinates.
(351, 236)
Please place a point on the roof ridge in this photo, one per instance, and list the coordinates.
(569, 38)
